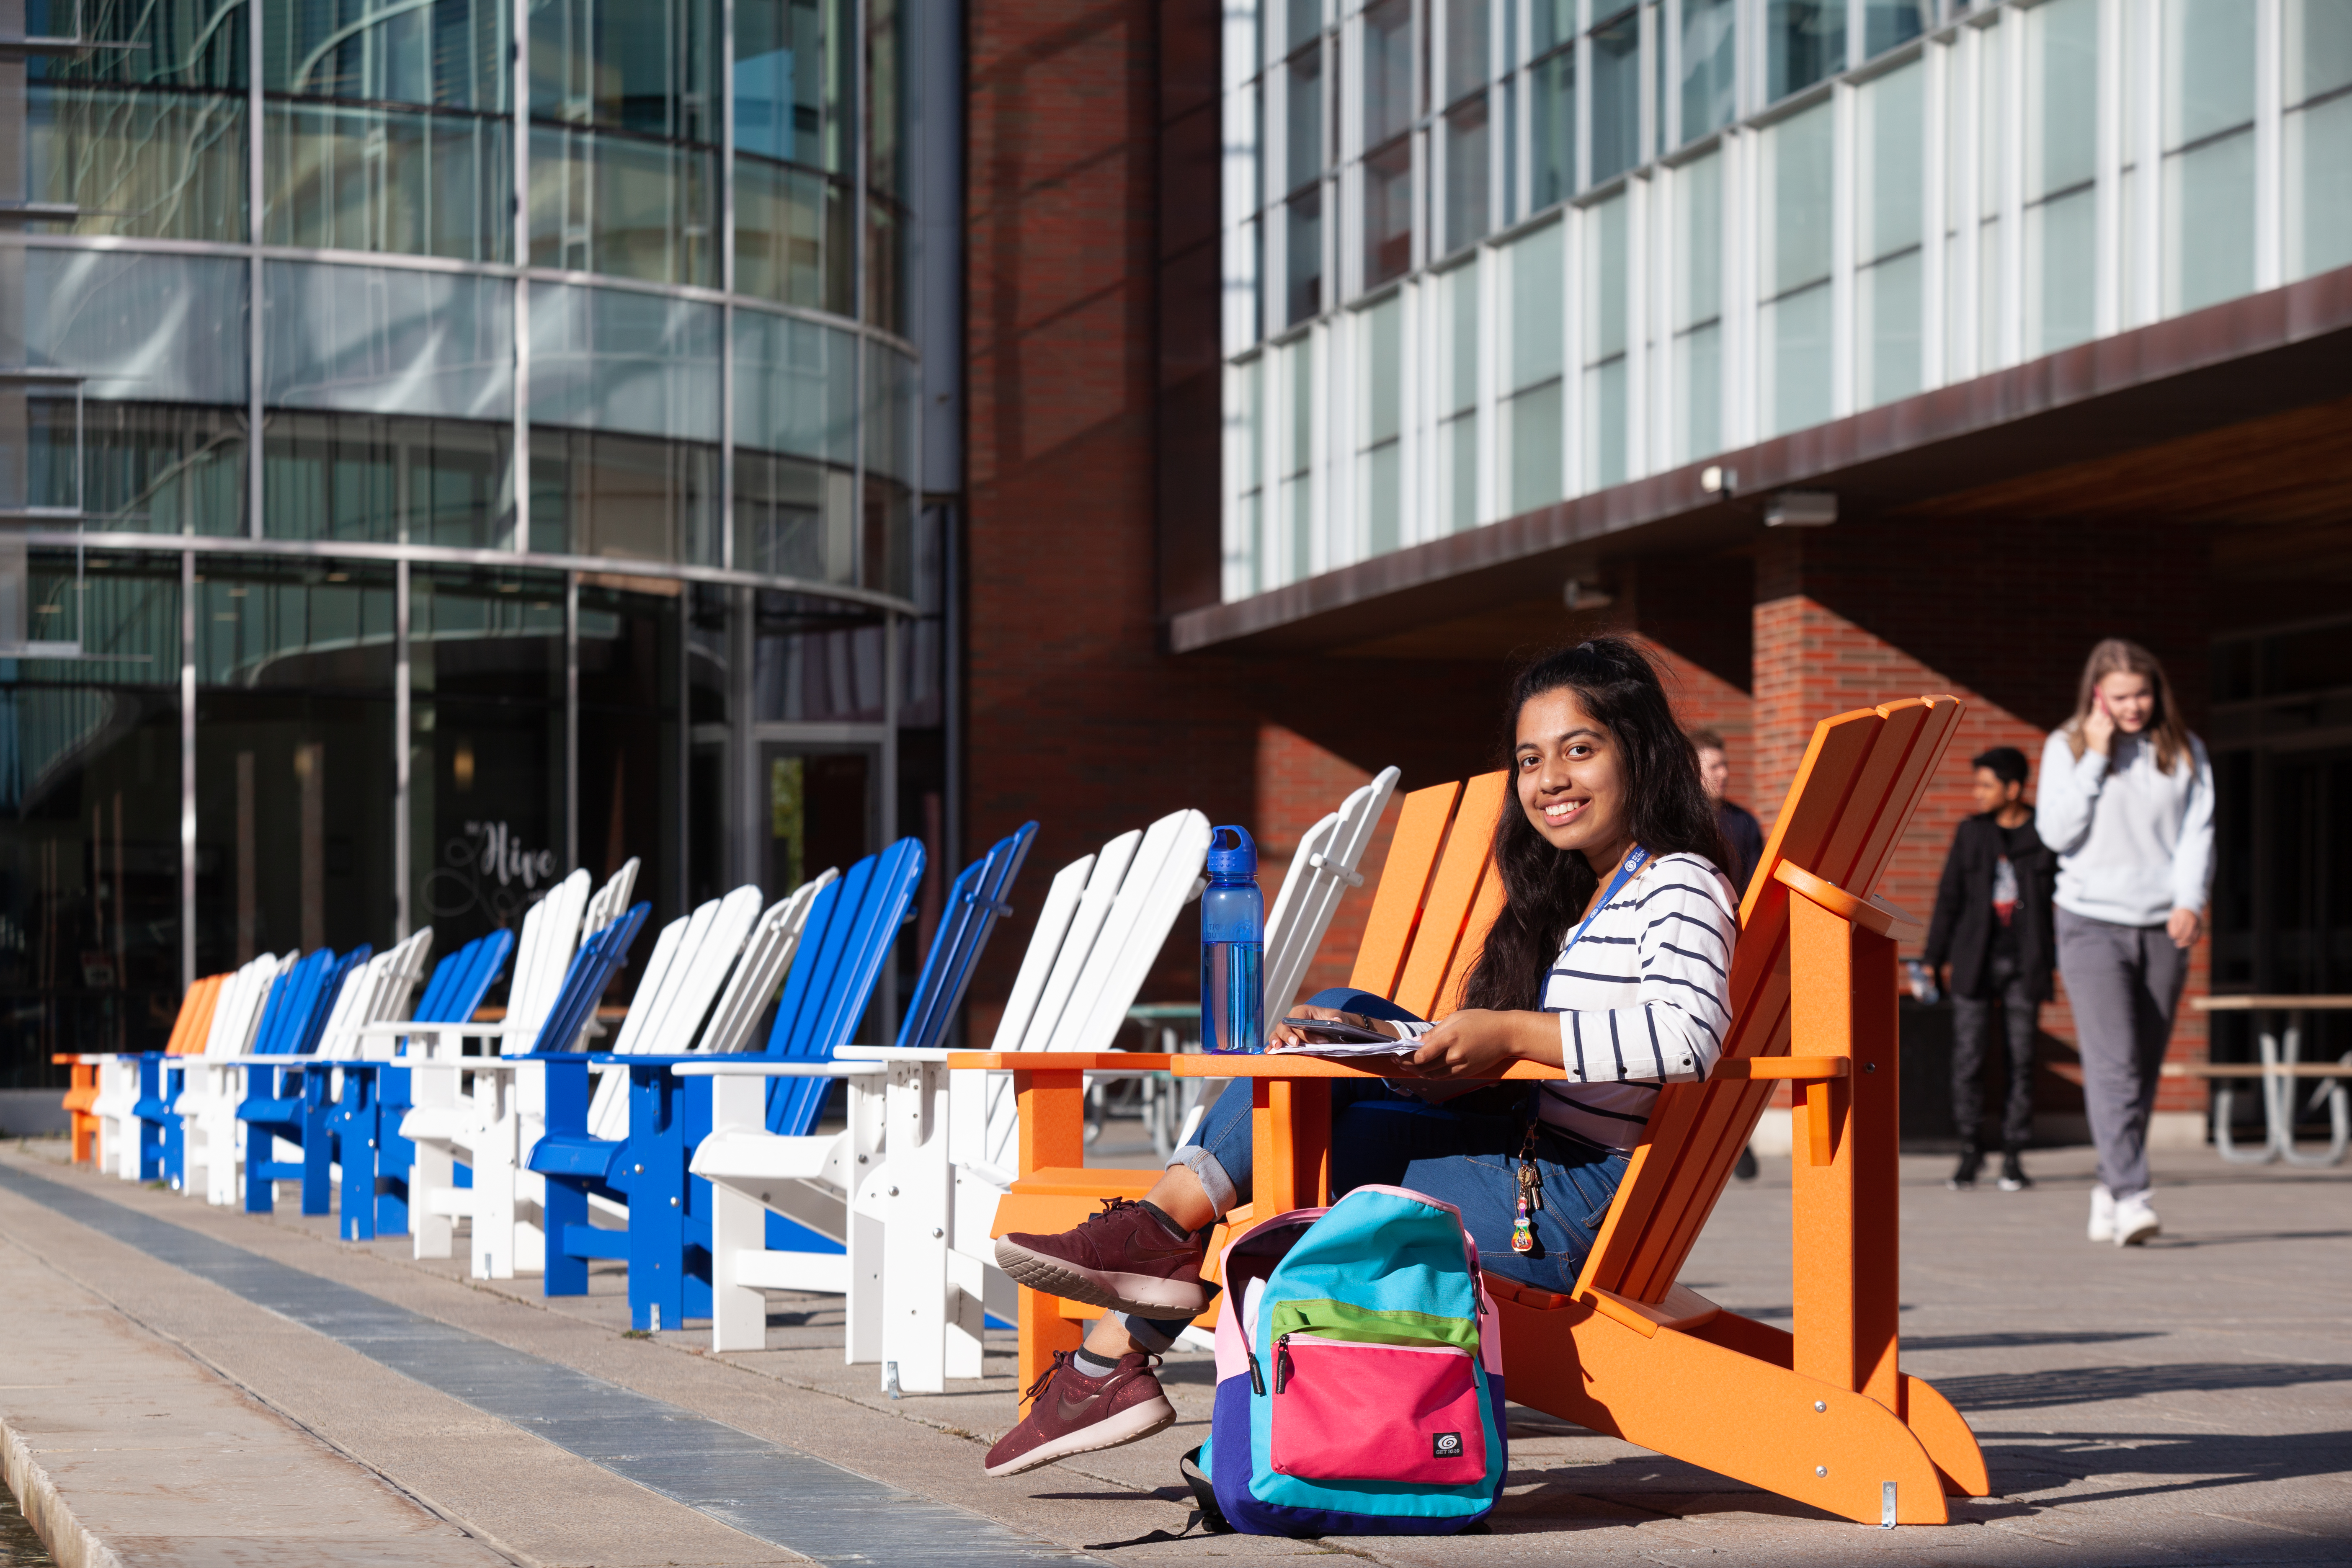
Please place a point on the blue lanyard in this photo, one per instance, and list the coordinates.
(1634, 862)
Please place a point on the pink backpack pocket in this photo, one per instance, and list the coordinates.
(1346, 1410)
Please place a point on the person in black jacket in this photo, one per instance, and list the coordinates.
(1990, 943)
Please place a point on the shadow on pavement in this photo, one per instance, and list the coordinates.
(2093, 1384)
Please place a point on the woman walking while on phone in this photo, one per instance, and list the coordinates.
(2128, 803)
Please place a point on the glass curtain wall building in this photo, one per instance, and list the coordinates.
(442, 443)
(1483, 255)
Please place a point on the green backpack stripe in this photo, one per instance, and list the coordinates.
(1346, 1320)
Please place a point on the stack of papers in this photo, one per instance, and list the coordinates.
(1340, 1041)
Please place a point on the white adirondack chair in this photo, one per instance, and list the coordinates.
(235, 1012)
(214, 1136)
(463, 1109)
(692, 959)
(1098, 933)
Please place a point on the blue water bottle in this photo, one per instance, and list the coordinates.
(1232, 948)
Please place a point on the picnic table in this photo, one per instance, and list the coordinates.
(2280, 1068)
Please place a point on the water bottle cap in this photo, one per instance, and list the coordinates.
(1235, 862)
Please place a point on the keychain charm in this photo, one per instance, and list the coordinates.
(1523, 1230)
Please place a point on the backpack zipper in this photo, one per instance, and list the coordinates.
(1282, 1363)
(1257, 1379)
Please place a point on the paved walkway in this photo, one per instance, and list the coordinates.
(198, 1386)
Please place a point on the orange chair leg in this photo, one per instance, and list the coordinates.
(1052, 1110)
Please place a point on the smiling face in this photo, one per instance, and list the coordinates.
(2129, 699)
(1570, 775)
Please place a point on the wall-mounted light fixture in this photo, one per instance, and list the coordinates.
(1717, 480)
(1802, 509)
(1578, 595)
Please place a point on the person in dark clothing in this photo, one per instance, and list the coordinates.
(1743, 837)
(1741, 833)
(1991, 945)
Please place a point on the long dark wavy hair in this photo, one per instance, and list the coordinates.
(1545, 890)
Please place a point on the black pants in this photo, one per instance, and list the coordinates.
(1973, 1021)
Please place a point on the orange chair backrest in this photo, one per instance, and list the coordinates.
(1862, 779)
(190, 1029)
(1437, 896)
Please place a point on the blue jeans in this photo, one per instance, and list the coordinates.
(1468, 1159)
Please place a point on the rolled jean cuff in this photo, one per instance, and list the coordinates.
(1156, 1335)
(1213, 1180)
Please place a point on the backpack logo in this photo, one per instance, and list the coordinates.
(1446, 1446)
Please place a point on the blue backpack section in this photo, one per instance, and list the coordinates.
(1379, 1253)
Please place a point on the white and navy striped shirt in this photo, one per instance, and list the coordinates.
(1644, 999)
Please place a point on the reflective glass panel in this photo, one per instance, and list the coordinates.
(2318, 49)
(792, 81)
(450, 53)
(145, 327)
(1460, 388)
(145, 467)
(1388, 213)
(1891, 152)
(1303, 119)
(1388, 70)
(794, 518)
(634, 206)
(1538, 294)
(1303, 250)
(792, 235)
(2209, 169)
(1466, 46)
(2209, 68)
(2062, 96)
(795, 388)
(2319, 186)
(1616, 96)
(645, 67)
(1535, 429)
(600, 494)
(382, 339)
(1889, 306)
(421, 481)
(892, 393)
(1886, 22)
(1804, 42)
(1551, 111)
(1466, 163)
(1710, 66)
(1802, 164)
(348, 178)
(609, 359)
(1796, 338)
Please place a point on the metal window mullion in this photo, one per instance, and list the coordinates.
(726, 520)
(2106, 204)
(518, 121)
(2011, 65)
(2270, 238)
(2145, 243)
(255, 343)
(1936, 303)
(1844, 339)
(187, 768)
(571, 717)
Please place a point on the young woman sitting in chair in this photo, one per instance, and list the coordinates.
(1610, 964)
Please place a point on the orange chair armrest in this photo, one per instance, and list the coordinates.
(1684, 1308)
(1793, 1067)
(1058, 1061)
(1872, 914)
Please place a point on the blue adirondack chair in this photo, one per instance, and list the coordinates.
(290, 1102)
(851, 926)
(851, 930)
(365, 1121)
(162, 1079)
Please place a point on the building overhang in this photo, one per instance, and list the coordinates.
(2239, 363)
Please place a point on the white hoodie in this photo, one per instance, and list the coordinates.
(2134, 843)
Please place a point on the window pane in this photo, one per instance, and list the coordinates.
(623, 204)
(1797, 348)
(1605, 424)
(1465, 174)
(792, 234)
(388, 179)
(1804, 42)
(1383, 480)
(1388, 70)
(137, 162)
(1303, 18)
(1303, 121)
(792, 81)
(1698, 241)
(1460, 446)
(1248, 422)
(1604, 274)
(1698, 384)
(1297, 435)
(1711, 85)
(1892, 152)
(1550, 22)
(1466, 47)
(2209, 68)
(145, 327)
(1534, 448)
(607, 359)
(1802, 164)
(2061, 254)
(1388, 213)
(1889, 302)
(1461, 323)
(2209, 223)
(2062, 96)
(1886, 22)
(794, 519)
(2319, 187)
(1538, 290)
(145, 467)
(2318, 42)
(383, 340)
(1616, 97)
(1303, 289)
(1552, 115)
(451, 53)
(1384, 383)
(649, 69)
(794, 387)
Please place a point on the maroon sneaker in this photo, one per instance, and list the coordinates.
(1122, 1259)
(1070, 1413)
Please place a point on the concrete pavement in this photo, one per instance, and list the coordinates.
(2190, 1402)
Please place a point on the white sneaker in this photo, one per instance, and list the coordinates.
(2135, 1222)
(2103, 1215)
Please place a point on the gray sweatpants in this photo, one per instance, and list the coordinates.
(2123, 985)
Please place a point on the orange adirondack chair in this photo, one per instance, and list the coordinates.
(187, 1038)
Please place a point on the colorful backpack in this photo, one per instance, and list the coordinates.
(1359, 1380)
